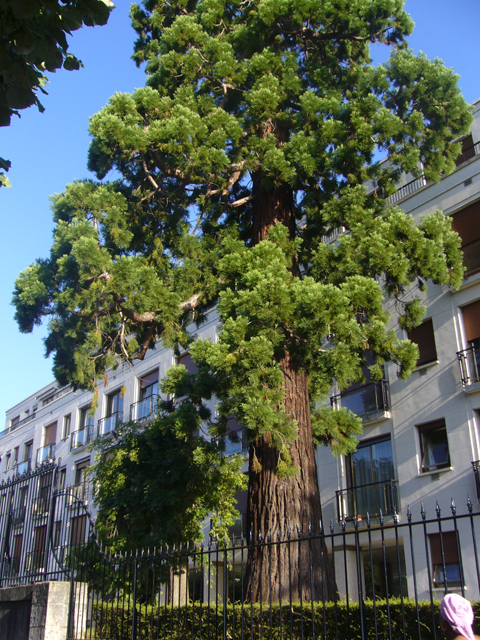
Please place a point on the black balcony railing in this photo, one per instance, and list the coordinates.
(46, 453)
(23, 467)
(372, 498)
(366, 401)
(233, 442)
(469, 361)
(107, 425)
(144, 410)
(81, 437)
(56, 395)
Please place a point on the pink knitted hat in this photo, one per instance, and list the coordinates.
(459, 614)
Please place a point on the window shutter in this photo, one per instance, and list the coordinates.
(471, 320)
(149, 379)
(51, 433)
(467, 223)
(188, 363)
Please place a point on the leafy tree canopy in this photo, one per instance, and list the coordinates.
(244, 155)
(33, 39)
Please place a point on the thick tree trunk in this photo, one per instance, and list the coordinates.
(289, 507)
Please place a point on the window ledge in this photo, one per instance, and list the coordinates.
(471, 388)
(468, 282)
(426, 365)
(432, 473)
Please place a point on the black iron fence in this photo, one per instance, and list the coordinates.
(370, 578)
(375, 575)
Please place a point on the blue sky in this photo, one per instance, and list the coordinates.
(49, 150)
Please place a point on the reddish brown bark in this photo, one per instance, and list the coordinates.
(277, 506)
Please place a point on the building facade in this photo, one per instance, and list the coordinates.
(420, 442)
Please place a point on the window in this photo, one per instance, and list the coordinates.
(80, 471)
(114, 403)
(424, 337)
(471, 322)
(467, 224)
(149, 385)
(449, 565)
(28, 450)
(85, 419)
(7, 461)
(50, 434)
(17, 552)
(15, 454)
(14, 421)
(434, 446)
(370, 475)
(78, 527)
(66, 426)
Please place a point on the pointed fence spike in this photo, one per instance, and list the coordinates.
(469, 505)
(422, 511)
(331, 526)
(381, 518)
(395, 516)
(368, 520)
(409, 514)
(438, 510)
(453, 507)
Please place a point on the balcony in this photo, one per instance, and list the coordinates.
(144, 411)
(233, 442)
(469, 361)
(81, 437)
(46, 454)
(23, 467)
(17, 516)
(372, 498)
(476, 471)
(56, 395)
(77, 493)
(107, 425)
(369, 402)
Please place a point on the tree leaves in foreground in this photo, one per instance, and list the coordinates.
(250, 179)
(33, 40)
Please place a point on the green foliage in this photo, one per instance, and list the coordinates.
(33, 39)
(274, 621)
(158, 486)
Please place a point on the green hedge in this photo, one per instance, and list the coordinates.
(113, 621)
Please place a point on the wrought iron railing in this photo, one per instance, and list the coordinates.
(367, 401)
(144, 410)
(107, 425)
(468, 154)
(408, 188)
(41, 504)
(233, 442)
(469, 361)
(46, 453)
(371, 499)
(81, 437)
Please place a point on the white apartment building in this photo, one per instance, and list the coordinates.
(421, 437)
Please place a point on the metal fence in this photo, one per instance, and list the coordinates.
(388, 575)
(365, 577)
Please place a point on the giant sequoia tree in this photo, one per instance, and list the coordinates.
(260, 123)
